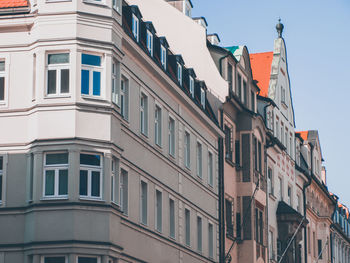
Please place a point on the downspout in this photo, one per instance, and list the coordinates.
(221, 195)
(305, 230)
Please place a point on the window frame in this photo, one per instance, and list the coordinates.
(3, 74)
(199, 221)
(172, 220)
(199, 159)
(187, 226)
(179, 73)
(203, 98)
(123, 172)
(171, 136)
(144, 103)
(115, 180)
(56, 168)
(98, 259)
(2, 180)
(210, 169)
(158, 224)
(149, 41)
(42, 260)
(191, 86)
(211, 243)
(163, 56)
(187, 150)
(116, 84)
(58, 68)
(135, 27)
(143, 220)
(158, 125)
(124, 97)
(116, 5)
(90, 169)
(91, 69)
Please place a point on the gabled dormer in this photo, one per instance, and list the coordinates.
(201, 93)
(190, 79)
(162, 50)
(148, 34)
(177, 65)
(133, 19)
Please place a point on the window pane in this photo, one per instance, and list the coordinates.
(50, 182)
(65, 80)
(83, 182)
(54, 260)
(91, 60)
(56, 158)
(58, 58)
(96, 83)
(95, 183)
(85, 81)
(51, 82)
(0, 187)
(172, 217)
(90, 159)
(0, 163)
(87, 260)
(63, 182)
(2, 65)
(2, 88)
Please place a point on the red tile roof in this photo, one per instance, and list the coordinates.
(303, 134)
(13, 3)
(261, 67)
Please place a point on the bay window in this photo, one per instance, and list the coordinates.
(90, 183)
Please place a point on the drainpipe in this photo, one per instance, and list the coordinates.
(221, 196)
(305, 230)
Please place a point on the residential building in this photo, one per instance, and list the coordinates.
(106, 154)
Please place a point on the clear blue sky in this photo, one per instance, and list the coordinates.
(317, 35)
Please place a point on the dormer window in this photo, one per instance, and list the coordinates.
(203, 97)
(150, 42)
(192, 86)
(187, 8)
(135, 27)
(179, 73)
(163, 56)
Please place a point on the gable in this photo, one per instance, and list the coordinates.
(261, 70)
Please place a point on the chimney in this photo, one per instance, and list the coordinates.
(213, 39)
(184, 6)
(201, 21)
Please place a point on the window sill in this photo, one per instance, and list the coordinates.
(91, 97)
(230, 162)
(95, 199)
(272, 196)
(98, 3)
(53, 198)
(57, 96)
(117, 10)
(56, 1)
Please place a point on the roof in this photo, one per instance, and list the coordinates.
(13, 3)
(237, 51)
(261, 68)
(303, 134)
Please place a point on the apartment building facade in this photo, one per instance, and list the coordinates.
(110, 152)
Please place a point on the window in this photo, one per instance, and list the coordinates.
(57, 74)
(187, 150)
(282, 134)
(124, 98)
(259, 226)
(159, 211)
(55, 259)
(203, 98)
(2, 81)
(283, 95)
(171, 136)
(289, 195)
(229, 223)
(210, 241)
(244, 97)
(171, 218)
(187, 227)
(270, 180)
(238, 152)
(228, 143)
(91, 71)
(192, 86)
(179, 73)
(229, 77)
(252, 103)
(135, 27)
(1, 176)
(123, 191)
(210, 169)
(163, 56)
(239, 86)
(277, 130)
(199, 160)
(150, 42)
(259, 157)
(87, 260)
(281, 188)
(286, 139)
(314, 243)
(116, 5)
(271, 241)
(144, 197)
(90, 184)
(308, 240)
(199, 234)
(299, 203)
(56, 175)
(115, 181)
(115, 87)
(158, 125)
(144, 114)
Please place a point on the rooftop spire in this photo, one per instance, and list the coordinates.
(279, 28)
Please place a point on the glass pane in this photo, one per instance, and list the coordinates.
(83, 182)
(87, 260)
(58, 58)
(54, 260)
(51, 82)
(85, 81)
(2, 88)
(0, 187)
(95, 184)
(2, 65)
(56, 158)
(64, 80)
(0, 163)
(50, 182)
(90, 159)
(96, 83)
(91, 60)
(63, 182)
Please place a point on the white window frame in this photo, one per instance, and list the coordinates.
(144, 221)
(58, 68)
(203, 97)
(115, 83)
(158, 225)
(116, 5)
(171, 136)
(91, 70)
(90, 169)
(187, 150)
(270, 181)
(144, 113)
(158, 125)
(123, 171)
(199, 159)
(179, 73)
(163, 56)
(210, 169)
(124, 97)
(191, 86)
(115, 180)
(56, 168)
(150, 42)
(3, 74)
(42, 260)
(135, 27)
